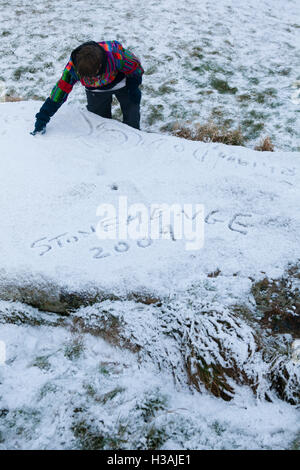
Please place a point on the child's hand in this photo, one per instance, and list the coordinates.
(43, 131)
(39, 128)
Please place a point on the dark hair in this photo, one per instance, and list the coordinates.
(89, 60)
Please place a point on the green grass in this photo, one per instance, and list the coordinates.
(155, 114)
(222, 86)
(155, 438)
(74, 349)
(42, 362)
(150, 406)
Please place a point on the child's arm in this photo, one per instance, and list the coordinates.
(58, 96)
(63, 87)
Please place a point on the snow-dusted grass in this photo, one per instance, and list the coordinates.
(124, 375)
(235, 61)
(62, 389)
(130, 372)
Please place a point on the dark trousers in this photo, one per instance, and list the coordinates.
(100, 103)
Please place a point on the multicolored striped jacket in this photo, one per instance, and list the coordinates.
(118, 63)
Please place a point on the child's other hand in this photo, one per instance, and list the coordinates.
(39, 128)
(43, 131)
